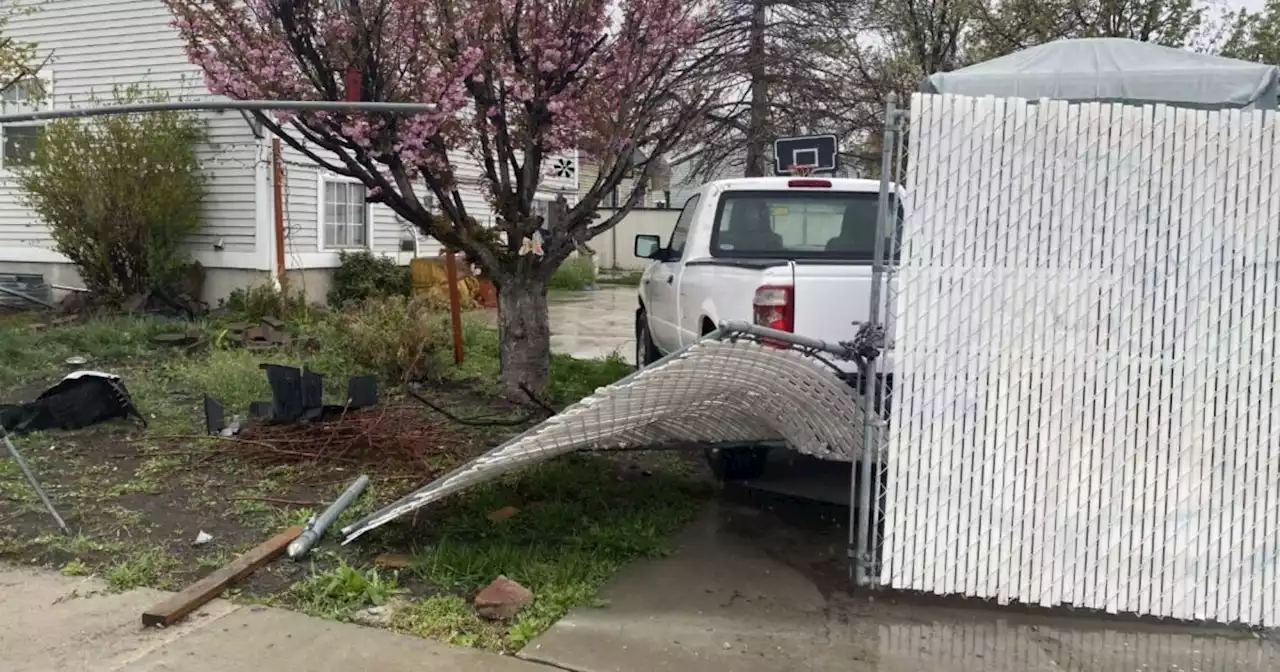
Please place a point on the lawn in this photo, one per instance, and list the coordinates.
(137, 498)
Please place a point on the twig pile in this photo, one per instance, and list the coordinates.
(395, 440)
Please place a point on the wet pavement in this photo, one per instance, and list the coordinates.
(750, 590)
(595, 323)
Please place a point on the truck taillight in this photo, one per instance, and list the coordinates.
(774, 307)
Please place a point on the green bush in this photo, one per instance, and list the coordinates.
(255, 303)
(575, 274)
(120, 194)
(364, 275)
(396, 337)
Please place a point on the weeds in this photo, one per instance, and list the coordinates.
(76, 568)
(580, 521)
(26, 353)
(451, 619)
(148, 568)
(255, 303)
(340, 592)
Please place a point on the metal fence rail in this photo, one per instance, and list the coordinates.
(1087, 312)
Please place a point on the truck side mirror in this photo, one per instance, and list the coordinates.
(649, 246)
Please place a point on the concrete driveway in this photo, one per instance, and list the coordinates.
(596, 323)
(751, 592)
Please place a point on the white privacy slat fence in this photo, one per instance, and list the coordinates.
(1087, 312)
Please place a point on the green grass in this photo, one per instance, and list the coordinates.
(26, 352)
(579, 520)
(146, 568)
(340, 592)
(579, 523)
(575, 274)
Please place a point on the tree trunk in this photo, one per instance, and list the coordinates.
(759, 118)
(524, 334)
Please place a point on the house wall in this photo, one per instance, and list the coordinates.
(303, 215)
(96, 45)
(589, 172)
(615, 248)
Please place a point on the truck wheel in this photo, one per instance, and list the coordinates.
(738, 464)
(646, 352)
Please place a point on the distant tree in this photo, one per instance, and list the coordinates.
(1255, 36)
(780, 61)
(515, 82)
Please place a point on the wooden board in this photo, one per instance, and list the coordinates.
(174, 608)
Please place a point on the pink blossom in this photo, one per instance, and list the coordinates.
(574, 59)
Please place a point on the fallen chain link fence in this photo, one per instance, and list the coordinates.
(730, 388)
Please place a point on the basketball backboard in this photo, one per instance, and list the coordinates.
(819, 151)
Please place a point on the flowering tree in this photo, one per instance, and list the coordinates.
(514, 82)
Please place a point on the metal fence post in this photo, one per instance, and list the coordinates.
(861, 518)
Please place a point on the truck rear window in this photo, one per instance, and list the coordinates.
(790, 224)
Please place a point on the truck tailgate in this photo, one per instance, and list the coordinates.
(830, 298)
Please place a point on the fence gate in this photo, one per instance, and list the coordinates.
(1086, 389)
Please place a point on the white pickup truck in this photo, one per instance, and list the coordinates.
(789, 253)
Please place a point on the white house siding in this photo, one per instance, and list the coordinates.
(589, 171)
(303, 212)
(98, 44)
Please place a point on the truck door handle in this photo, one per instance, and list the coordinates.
(670, 278)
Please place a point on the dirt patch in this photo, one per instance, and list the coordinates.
(136, 503)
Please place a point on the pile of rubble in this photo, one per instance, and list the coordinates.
(270, 332)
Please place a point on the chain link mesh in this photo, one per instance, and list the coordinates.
(1085, 350)
(729, 388)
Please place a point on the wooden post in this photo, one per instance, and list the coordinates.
(277, 173)
(455, 305)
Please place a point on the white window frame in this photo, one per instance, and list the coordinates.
(324, 180)
(46, 78)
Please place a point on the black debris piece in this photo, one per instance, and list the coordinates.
(81, 399)
(286, 393)
(215, 417)
(362, 391)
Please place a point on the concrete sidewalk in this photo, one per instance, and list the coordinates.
(49, 622)
(733, 599)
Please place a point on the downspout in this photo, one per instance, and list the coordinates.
(277, 183)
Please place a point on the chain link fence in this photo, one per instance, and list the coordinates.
(1079, 378)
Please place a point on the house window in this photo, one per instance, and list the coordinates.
(18, 139)
(345, 214)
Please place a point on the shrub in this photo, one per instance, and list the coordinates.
(397, 337)
(120, 194)
(576, 274)
(255, 303)
(364, 275)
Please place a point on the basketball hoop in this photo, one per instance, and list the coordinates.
(802, 169)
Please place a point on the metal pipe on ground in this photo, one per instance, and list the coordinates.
(27, 297)
(315, 529)
(31, 478)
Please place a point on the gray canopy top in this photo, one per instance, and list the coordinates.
(1116, 70)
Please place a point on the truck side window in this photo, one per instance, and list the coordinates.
(681, 232)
